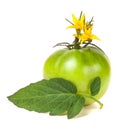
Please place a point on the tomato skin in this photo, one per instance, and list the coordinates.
(80, 66)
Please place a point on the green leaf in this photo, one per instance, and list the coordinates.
(95, 86)
(76, 107)
(56, 96)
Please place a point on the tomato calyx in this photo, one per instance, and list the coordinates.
(76, 44)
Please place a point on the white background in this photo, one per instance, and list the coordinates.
(28, 30)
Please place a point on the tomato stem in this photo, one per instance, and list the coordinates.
(101, 104)
(91, 97)
(76, 44)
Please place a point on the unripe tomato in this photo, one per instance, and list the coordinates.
(80, 66)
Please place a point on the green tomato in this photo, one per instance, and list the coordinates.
(80, 66)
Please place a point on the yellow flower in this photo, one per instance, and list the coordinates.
(86, 35)
(78, 23)
(83, 28)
